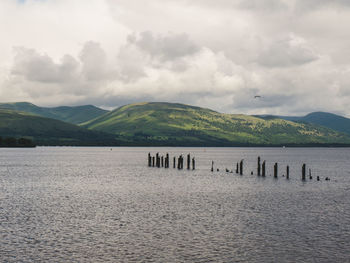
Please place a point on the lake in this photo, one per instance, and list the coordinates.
(72, 204)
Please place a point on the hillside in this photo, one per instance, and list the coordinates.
(178, 124)
(75, 115)
(329, 120)
(45, 131)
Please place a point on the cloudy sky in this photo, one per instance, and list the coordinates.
(219, 54)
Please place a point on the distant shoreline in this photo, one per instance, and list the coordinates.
(201, 146)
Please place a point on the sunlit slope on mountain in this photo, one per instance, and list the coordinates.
(178, 124)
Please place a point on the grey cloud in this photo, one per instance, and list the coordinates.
(218, 54)
(285, 53)
(168, 47)
(311, 5)
(37, 67)
(94, 61)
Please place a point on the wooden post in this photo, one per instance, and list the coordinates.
(153, 161)
(237, 168)
(303, 172)
(212, 166)
(174, 162)
(318, 178)
(158, 160)
(287, 171)
(167, 161)
(241, 168)
(149, 160)
(310, 176)
(275, 170)
(193, 164)
(259, 166)
(179, 162)
(264, 169)
(162, 161)
(188, 161)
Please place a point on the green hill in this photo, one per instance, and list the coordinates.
(329, 120)
(45, 131)
(178, 124)
(73, 115)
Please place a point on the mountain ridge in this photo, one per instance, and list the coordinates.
(46, 131)
(180, 124)
(70, 114)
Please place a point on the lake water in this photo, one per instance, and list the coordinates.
(66, 204)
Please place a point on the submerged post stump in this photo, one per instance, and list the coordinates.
(287, 171)
(212, 166)
(264, 169)
(158, 160)
(275, 170)
(241, 167)
(149, 160)
(188, 161)
(167, 161)
(310, 176)
(303, 172)
(259, 167)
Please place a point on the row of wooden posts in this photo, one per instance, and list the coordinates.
(261, 170)
(161, 161)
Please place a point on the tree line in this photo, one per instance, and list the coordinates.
(16, 142)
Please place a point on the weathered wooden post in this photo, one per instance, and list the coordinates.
(188, 161)
(264, 169)
(193, 164)
(318, 178)
(212, 166)
(310, 176)
(153, 161)
(174, 162)
(167, 161)
(237, 168)
(157, 160)
(275, 170)
(241, 168)
(287, 171)
(259, 166)
(149, 160)
(179, 162)
(303, 172)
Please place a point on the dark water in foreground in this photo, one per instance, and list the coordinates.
(98, 205)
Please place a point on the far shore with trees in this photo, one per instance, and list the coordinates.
(11, 142)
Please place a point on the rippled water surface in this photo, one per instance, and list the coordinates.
(62, 204)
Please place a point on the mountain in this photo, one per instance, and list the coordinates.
(73, 115)
(45, 131)
(178, 124)
(329, 120)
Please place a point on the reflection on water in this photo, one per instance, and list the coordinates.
(99, 205)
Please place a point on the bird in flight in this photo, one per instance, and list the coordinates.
(257, 96)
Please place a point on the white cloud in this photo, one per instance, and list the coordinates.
(216, 54)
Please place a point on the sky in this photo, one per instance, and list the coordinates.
(218, 54)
